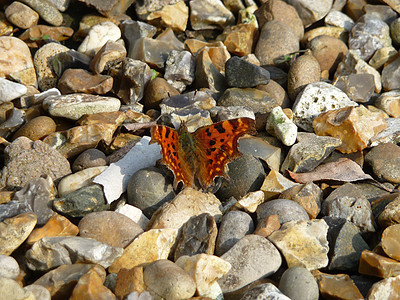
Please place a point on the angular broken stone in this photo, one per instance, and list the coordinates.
(274, 184)
(180, 69)
(359, 87)
(279, 125)
(374, 264)
(209, 14)
(389, 102)
(390, 241)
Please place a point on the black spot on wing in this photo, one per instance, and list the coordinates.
(219, 128)
(212, 143)
(208, 132)
(167, 132)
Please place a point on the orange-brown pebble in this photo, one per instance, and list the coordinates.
(37, 128)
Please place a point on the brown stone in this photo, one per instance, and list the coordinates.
(81, 81)
(21, 15)
(174, 16)
(37, 35)
(276, 92)
(389, 103)
(157, 90)
(267, 225)
(36, 128)
(274, 184)
(6, 196)
(377, 265)
(385, 167)
(240, 39)
(336, 286)
(57, 225)
(354, 126)
(354, 8)
(110, 54)
(90, 286)
(390, 214)
(391, 241)
(194, 45)
(128, 281)
(336, 32)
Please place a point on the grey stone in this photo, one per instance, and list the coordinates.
(132, 31)
(385, 167)
(210, 14)
(81, 202)
(383, 12)
(234, 226)
(339, 19)
(180, 69)
(13, 123)
(14, 208)
(359, 87)
(38, 291)
(26, 160)
(264, 291)
(246, 175)
(298, 283)
(390, 75)
(199, 100)
(10, 90)
(9, 267)
(148, 189)
(311, 11)
(262, 259)
(349, 203)
(46, 10)
(390, 135)
(287, 210)
(368, 35)
(242, 74)
(88, 159)
(51, 252)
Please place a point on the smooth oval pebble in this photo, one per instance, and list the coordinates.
(168, 281)
(298, 284)
(37, 128)
(287, 210)
(88, 159)
(9, 267)
(109, 227)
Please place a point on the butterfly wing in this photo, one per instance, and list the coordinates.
(168, 139)
(218, 145)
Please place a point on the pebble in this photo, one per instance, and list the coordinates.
(274, 184)
(46, 10)
(385, 167)
(37, 128)
(389, 102)
(209, 14)
(339, 19)
(21, 15)
(298, 283)
(287, 210)
(279, 125)
(264, 291)
(11, 90)
(10, 289)
(9, 267)
(389, 241)
(135, 214)
(385, 288)
(250, 75)
(89, 159)
(359, 87)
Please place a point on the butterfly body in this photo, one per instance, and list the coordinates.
(197, 158)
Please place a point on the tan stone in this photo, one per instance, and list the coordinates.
(90, 286)
(377, 265)
(186, 204)
(157, 90)
(354, 126)
(128, 281)
(21, 15)
(16, 60)
(174, 16)
(157, 242)
(6, 196)
(390, 103)
(37, 35)
(194, 45)
(385, 289)
(81, 81)
(14, 231)
(274, 184)
(57, 225)
(111, 53)
(336, 32)
(37, 128)
(249, 202)
(336, 286)
(382, 56)
(391, 241)
(391, 213)
(240, 39)
(267, 225)
(6, 29)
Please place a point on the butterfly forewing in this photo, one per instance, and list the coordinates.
(218, 144)
(167, 138)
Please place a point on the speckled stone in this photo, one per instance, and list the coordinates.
(46, 10)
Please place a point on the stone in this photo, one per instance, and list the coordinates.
(287, 210)
(37, 35)
(10, 289)
(385, 167)
(309, 152)
(110, 54)
(51, 252)
(74, 106)
(205, 271)
(60, 281)
(109, 8)
(38, 291)
(298, 283)
(303, 243)
(127, 281)
(339, 19)
(367, 35)
(47, 63)
(261, 260)
(264, 291)
(198, 236)
(250, 75)
(81, 81)
(209, 14)
(81, 202)
(240, 39)
(97, 36)
(9, 267)
(157, 242)
(304, 70)
(16, 60)
(78, 180)
(308, 195)
(15, 120)
(38, 194)
(166, 279)
(387, 287)
(316, 98)
(383, 12)
(386, 208)
(157, 90)
(274, 184)
(352, 63)
(135, 214)
(90, 285)
(90, 158)
(186, 204)
(267, 225)
(390, 240)
(249, 202)
(276, 39)
(246, 175)
(132, 31)
(346, 245)
(57, 225)
(109, 227)
(11, 90)
(21, 15)
(37, 128)
(174, 16)
(279, 125)
(359, 87)
(27, 160)
(180, 69)
(349, 203)
(390, 75)
(234, 226)
(389, 102)
(46, 10)
(382, 56)
(337, 286)
(14, 231)
(310, 12)
(374, 264)
(354, 126)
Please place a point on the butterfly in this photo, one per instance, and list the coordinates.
(197, 158)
